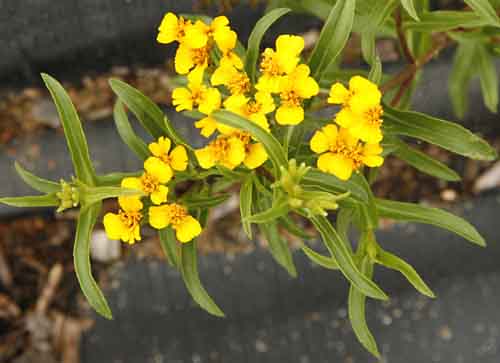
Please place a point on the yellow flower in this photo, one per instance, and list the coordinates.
(277, 63)
(295, 88)
(187, 58)
(361, 111)
(228, 75)
(186, 227)
(196, 94)
(164, 161)
(125, 225)
(231, 151)
(255, 110)
(208, 126)
(200, 34)
(152, 181)
(172, 29)
(342, 153)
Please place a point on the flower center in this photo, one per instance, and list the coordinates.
(200, 56)
(269, 66)
(290, 98)
(149, 183)
(130, 219)
(181, 27)
(239, 84)
(353, 153)
(253, 107)
(374, 115)
(177, 214)
(198, 94)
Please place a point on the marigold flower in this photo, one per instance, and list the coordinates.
(196, 94)
(236, 81)
(276, 64)
(200, 34)
(231, 151)
(125, 225)
(342, 153)
(164, 161)
(152, 181)
(294, 88)
(186, 227)
(172, 29)
(187, 58)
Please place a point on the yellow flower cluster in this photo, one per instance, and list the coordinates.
(355, 141)
(159, 169)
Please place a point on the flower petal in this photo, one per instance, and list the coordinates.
(188, 229)
(289, 115)
(256, 156)
(159, 217)
(179, 158)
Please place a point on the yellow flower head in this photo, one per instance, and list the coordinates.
(279, 62)
(201, 34)
(126, 225)
(186, 227)
(152, 181)
(255, 110)
(294, 88)
(164, 161)
(208, 126)
(342, 153)
(187, 58)
(232, 150)
(361, 110)
(228, 75)
(172, 29)
(196, 94)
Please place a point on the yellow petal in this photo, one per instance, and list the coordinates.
(219, 22)
(131, 183)
(373, 161)
(359, 84)
(188, 229)
(208, 125)
(337, 165)
(196, 35)
(319, 142)
(113, 226)
(261, 120)
(256, 156)
(236, 152)
(130, 204)
(179, 158)
(159, 217)
(268, 83)
(289, 115)
(222, 75)
(346, 118)
(288, 49)
(331, 132)
(339, 94)
(168, 29)
(225, 39)
(182, 99)
(210, 102)
(159, 169)
(159, 196)
(266, 102)
(205, 157)
(161, 147)
(368, 133)
(235, 103)
(183, 59)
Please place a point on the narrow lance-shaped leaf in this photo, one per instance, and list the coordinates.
(323, 261)
(73, 130)
(253, 49)
(461, 73)
(375, 74)
(357, 314)
(421, 214)
(81, 254)
(333, 37)
(424, 162)
(246, 197)
(278, 247)
(272, 146)
(344, 259)
(448, 135)
(48, 200)
(292, 227)
(205, 202)
(191, 278)
(279, 209)
(129, 137)
(444, 20)
(168, 244)
(92, 195)
(484, 9)
(395, 263)
(488, 77)
(115, 179)
(409, 6)
(37, 183)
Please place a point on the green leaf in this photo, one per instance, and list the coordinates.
(253, 48)
(81, 254)
(330, 183)
(279, 209)
(92, 195)
(75, 137)
(357, 314)
(484, 9)
(115, 179)
(205, 202)
(48, 200)
(323, 261)
(368, 48)
(246, 197)
(488, 77)
(395, 263)
(448, 135)
(278, 247)
(444, 20)
(460, 76)
(168, 244)
(375, 74)
(129, 137)
(37, 183)
(376, 14)
(342, 255)
(189, 270)
(424, 162)
(333, 37)
(273, 147)
(344, 221)
(409, 6)
(421, 214)
(147, 112)
(288, 223)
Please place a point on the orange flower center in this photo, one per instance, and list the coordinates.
(353, 153)
(239, 84)
(130, 219)
(253, 107)
(200, 56)
(149, 183)
(269, 66)
(177, 214)
(374, 115)
(290, 98)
